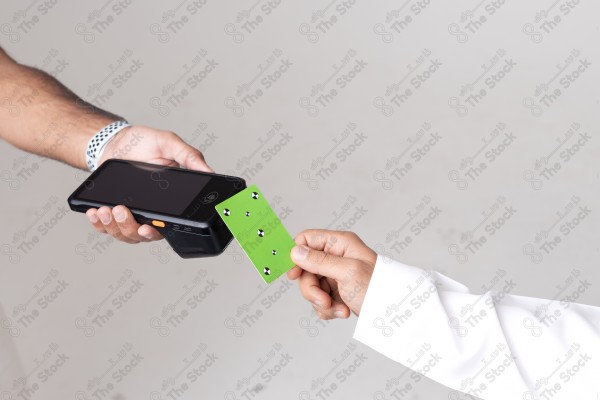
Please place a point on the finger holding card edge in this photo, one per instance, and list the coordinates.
(294, 273)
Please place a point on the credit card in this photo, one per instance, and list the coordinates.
(259, 232)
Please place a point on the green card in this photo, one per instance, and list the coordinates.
(259, 231)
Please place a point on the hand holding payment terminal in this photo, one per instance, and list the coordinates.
(180, 203)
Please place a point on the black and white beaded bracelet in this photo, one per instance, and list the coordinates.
(98, 142)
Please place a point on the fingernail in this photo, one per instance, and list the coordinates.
(93, 218)
(105, 218)
(318, 303)
(299, 252)
(119, 215)
(339, 314)
(147, 236)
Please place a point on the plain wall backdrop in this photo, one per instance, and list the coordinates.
(354, 115)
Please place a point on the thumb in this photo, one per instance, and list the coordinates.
(318, 262)
(187, 156)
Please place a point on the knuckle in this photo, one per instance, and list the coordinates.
(171, 135)
(330, 242)
(350, 236)
(324, 316)
(304, 291)
(301, 237)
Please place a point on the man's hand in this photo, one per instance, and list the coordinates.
(139, 143)
(334, 269)
(54, 111)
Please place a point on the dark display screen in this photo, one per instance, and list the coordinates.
(151, 188)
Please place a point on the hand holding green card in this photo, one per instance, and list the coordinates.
(259, 231)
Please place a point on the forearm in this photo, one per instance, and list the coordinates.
(41, 116)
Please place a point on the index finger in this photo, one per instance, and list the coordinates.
(338, 243)
(320, 239)
(187, 156)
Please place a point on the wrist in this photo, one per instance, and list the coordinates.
(114, 148)
(98, 143)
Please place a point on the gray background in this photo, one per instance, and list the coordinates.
(34, 190)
